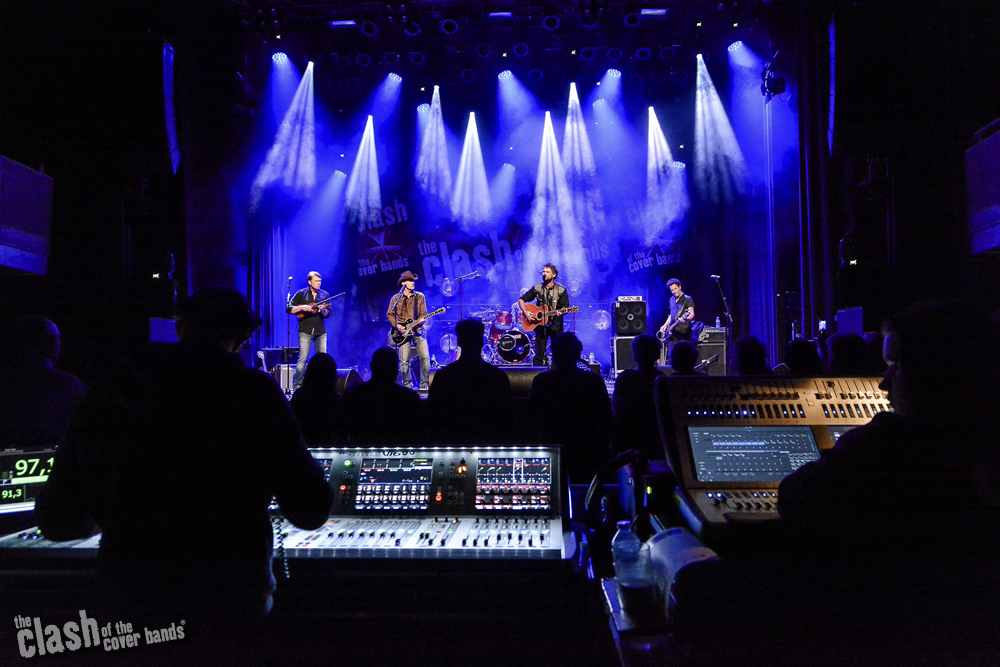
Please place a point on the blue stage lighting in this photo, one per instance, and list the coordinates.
(735, 45)
(340, 174)
(395, 78)
(588, 52)
(536, 75)
(614, 73)
(504, 75)
(279, 57)
(424, 108)
(614, 53)
(679, 165)
(508, 166)
(599, 102)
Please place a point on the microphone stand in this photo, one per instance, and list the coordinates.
(461, 279)
(288, 336)
(729, 319)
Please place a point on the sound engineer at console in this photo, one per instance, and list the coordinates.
(175, 458)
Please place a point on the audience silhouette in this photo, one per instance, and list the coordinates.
(316, 403)
(381, 412)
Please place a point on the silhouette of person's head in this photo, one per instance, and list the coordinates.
(751, 357)
(683, 358)
(384, 365)
(469, 333)
(845, 354)
(874, 361)
(321, 373)
(646, 350)
(217, 317)
(566, 349)
(35, 335)
(802, 358)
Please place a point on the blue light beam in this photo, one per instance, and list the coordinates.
(292, 157)
(581, 172)
(720, 170)
(433, 174)
(363, 199)
(666, 185)
(471, 205)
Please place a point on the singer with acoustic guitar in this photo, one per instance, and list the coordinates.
(545, 318)
(311, 305)
(678, 324)
(406, 314)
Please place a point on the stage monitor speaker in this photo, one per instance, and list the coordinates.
(621, 353)
(520, 378)
(284, 375)
(719, 365)
(630, 318)
(347, 378)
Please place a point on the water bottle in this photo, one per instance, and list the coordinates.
(718, 323)
(633, 570)
(592, 362)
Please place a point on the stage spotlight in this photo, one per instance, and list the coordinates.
(521, 50)
(468, 75)
(614, 74)
(342, 24)
(632, 19)
(369, 29)
(504, 75)
(598, 102)
(390, 58)
(338, 173)
(508, 166)
(614, 53)
(588, 52)
(418, 58)
(279, 57)
(667, 52)
(679, 165)
(484, 50)
(423, 108)
(395, 78)
(536, 75)
(363, 60)
(433, 173)
(412, 29)
(735, 45)
(719, 165)
(550, 22)
(470, 204)
(643, 53)
(449, 26)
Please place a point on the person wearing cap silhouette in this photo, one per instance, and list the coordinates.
(409, 307)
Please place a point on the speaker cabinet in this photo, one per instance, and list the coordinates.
(621, 353)
(630, 318)
(284, 375)
(719, 365)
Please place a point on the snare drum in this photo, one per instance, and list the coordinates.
(503, 320)
(493, 335)
(514, 347)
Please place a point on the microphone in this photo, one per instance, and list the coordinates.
(477, 276)
(715, 277)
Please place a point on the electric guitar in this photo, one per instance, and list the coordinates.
(399, 337)
(664, 334)
(316, 307)
(540, 316)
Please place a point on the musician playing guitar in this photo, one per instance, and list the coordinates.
(410, 305)
(550, 296)
(678, 324)
(311, 305)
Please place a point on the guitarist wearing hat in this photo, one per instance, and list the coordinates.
(311, 305)
(406, 313)
(550, 296)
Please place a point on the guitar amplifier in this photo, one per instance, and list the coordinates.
(713, 335)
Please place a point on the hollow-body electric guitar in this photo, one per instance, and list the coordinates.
(398, 337)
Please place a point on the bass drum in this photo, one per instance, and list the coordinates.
(514, 347)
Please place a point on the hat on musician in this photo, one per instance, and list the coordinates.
(406, 275)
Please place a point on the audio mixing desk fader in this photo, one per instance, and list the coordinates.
(484, 503)
(731, 440)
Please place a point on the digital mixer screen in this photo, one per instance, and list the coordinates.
(750, 454)
(22, 474)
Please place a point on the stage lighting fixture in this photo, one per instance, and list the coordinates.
(521, 50)
(643, 53)
(412, 29)
(342, 24)
(679, 165)
(363, 60)
(614, 53)
(653, 12)
(484, 50)
(601, 320)
(770, 84)
(632, 19)
(508, 166)
(395, 78)
(448, 342)
(735, 45)
(550, 22)
(667, 52)
(504, 75)
(501, 15)
(369, 29)
(468, 75)
(339, 173)
(390, 58)
(588, 20)
(588, 52)
(598, 102)
(614, 74)
(279, 57)
(449, 26)
(423, 108)
(535, 75)
(418, 58)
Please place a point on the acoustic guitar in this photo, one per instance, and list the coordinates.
(540, 316)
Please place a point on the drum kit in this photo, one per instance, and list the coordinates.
(504, 343)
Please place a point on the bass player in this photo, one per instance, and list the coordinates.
(311, 305)
(550, 296)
